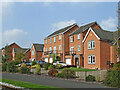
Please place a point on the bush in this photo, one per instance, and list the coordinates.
(51, 67)
(52, 72)
(37, 69)
(34, 62)
(24, 70)
(11, 67)
(69, 73)
(23, 65)
(58, 66)
(90, 78)
(60, 75)
(47, 65)
(113, 76)
(4, 66)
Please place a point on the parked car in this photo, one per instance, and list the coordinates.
(60, 62)
(41, 62)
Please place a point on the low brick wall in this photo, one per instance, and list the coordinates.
(43, 71)
(98, 74)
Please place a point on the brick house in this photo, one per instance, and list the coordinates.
(36, 51)
(75, 55)
(11, 46)
(27, 51)
(99, 50)
(58, 43)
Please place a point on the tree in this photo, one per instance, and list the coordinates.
(55, 57)
(20, 56)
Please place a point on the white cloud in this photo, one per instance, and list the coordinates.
(62, 24)
(110, 23)
(14, 35)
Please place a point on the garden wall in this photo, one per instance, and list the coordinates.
(100, 74)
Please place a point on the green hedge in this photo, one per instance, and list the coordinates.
(90, 78)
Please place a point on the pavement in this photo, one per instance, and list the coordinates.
(60, 83)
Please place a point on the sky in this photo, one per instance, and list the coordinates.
(30, 22)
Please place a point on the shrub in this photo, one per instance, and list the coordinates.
(52, 72)
(37, 69)
(34, 62)
(24, 70)
(113, 76)
(51, 67)
(4, 66)
(58, 66)
(47, 65)
(69, 73)
(90, 78)
(23, 65)
(11, 67)
(60, 75)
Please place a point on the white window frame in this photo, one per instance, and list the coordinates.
(78, 37)
(72, 49)
(59, 47)
(91, 44)
(78, 48)
(46, 49)
(91, 59)
(71, 39)
(54, 39)
(60, 37)
(46, 41)
(32, 52)
(50, 40)
(117, 58)
(54, 49)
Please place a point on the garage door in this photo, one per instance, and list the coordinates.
(46, 59)
(51, 60)
(68, 61)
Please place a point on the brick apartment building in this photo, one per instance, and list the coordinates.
(89, 46)
(57, 43)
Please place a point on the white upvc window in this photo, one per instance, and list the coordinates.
(91, 44)
(50, 49)
(46, 41)
(72, 39)
(46, 49)
(60, 37)
(54, 39)
(59, 47)
(50, 40)
(117, 45)
(32, 52)
(91, 59)
(72, 50)
(117, 58)
(78, 37)
(54, 49)
(78, 48)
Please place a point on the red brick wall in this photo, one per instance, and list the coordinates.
(28, 54)
(39, 55)
(33, 56)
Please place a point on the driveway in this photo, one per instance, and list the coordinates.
(51, 81)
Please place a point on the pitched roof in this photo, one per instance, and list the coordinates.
(62, 30)
(16, 50)
(38, 47)
(82, 28)
(105, 35)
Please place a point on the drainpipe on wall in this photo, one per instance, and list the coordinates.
(63, 47)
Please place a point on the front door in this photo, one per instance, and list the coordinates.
(77, 61)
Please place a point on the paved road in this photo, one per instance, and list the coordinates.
(50, 81)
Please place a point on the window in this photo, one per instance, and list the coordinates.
(91, 44)
(50, 40)
(54, 39)
(78, 48)
(60, 37)
(46, 41)
(72, 50)
(91, 59)
(117, 45)
(59, 47)
(50, 49)
(32, 52)
(78, 36)
(117, 58)
(46, 49)
(72, 38)
(54, 49)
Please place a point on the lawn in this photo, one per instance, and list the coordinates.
(26, 84)
(78, 69)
